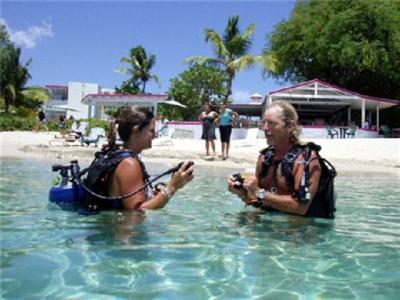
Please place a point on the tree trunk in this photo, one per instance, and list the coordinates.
(7, 101)
(6, 106)
(229, 87)
(144, 87)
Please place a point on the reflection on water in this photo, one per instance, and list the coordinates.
(204, 244)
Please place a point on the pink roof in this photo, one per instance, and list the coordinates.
(326, 84)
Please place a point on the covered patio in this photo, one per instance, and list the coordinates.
(98, 102)
(319, 104)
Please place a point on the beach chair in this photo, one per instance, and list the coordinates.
(74, 126)
(351, 133)
(162, 131)
(73, 137)
(385, 131)
(250, 139)
(165, 139)
(332, 132)
(95, 136)
(82, 128)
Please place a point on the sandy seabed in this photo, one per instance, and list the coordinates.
(347, 155)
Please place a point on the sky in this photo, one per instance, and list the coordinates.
(84, 41)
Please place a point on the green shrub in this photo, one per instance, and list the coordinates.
(25, 112)
(99, 123)
(10, 122)
(53, 125)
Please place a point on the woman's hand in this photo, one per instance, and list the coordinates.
(181, 177)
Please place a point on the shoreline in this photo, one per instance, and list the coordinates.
(349, 156)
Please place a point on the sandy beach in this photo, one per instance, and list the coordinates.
(347, 155)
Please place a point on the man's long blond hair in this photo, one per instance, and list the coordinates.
(289, 116)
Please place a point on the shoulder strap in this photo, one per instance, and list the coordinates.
(312, 146)
(304, 195)
(288, 163)
(268, 154)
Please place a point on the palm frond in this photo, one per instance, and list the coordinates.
(122, 70)
(151, 61)
(156, 79)
(10, 88)
(243, 62)
(37, 94)
(127, 60)
(248, 33)
(269, 62)
(203, 61)
(217, 41)
(231, 29)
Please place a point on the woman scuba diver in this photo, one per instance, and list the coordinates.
(136, 129)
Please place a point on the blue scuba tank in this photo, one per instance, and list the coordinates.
(67, 195)
(67, 192)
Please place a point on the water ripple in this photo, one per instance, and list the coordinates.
(203, 245)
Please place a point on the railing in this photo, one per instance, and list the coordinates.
(54, 102)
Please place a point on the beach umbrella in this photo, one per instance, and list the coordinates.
(256, 97)
(65, 107)
(173, 102)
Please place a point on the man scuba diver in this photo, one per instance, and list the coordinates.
(290, 176)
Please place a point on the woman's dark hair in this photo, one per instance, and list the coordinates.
(131, 117)
(210, 106)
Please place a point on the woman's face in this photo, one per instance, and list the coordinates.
(277, 132)
(146, 135)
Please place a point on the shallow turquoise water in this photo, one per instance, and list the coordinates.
(203, 245)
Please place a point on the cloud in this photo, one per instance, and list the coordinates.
(29, 38)
(241, 96)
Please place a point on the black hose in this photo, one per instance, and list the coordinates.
(76, 175)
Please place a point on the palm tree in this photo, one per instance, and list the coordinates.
(231, 51)
(14, 80)
(141, 64)
(14, 76)
(34, 97)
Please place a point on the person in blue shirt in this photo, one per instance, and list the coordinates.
(225, 119)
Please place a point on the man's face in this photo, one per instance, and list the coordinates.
(275, 129)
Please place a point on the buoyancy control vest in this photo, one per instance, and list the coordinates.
(323, 203)
(105, 162)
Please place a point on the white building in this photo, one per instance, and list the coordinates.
(67, 99)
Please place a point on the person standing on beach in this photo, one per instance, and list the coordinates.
(41, 116)
(136, 128)
(209, 117)
(277, 183)
(225, 119)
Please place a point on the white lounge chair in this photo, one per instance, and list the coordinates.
(165, 139)
(82, 128)
(249, 140)
(71, 138)
(95, 136)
